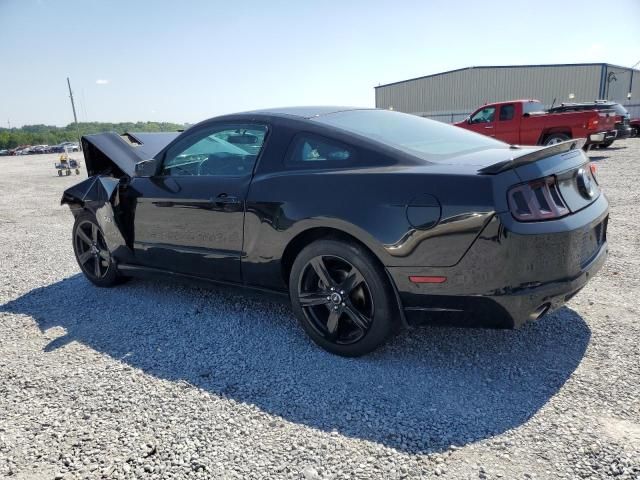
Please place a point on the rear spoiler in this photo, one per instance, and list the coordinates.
(544, 152)
(117, 155)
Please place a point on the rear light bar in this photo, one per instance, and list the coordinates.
(537, 200)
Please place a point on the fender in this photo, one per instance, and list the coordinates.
(100, 195)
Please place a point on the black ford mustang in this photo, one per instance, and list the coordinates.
(367, 218)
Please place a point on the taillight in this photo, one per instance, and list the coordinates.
(592, 123)
(537, 200)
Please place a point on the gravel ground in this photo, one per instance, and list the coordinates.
(161, 380)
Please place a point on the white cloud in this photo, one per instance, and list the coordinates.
(102, 82)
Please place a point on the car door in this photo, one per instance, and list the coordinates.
(189, 217)
(483, 121)
(507, 128)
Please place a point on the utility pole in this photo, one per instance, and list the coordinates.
(75, 117)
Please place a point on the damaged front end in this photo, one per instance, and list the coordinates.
(111, 161)
(101, 196)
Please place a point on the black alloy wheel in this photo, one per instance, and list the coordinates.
(336, 299)
(91, 249)
(342, 298)
(92, 253)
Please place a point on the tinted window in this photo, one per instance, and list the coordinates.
(486, 115)
(532, 107)
(310, 149)
(227, 150)
(418, 136)
(507, 111)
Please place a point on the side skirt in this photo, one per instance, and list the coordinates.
(139, 271)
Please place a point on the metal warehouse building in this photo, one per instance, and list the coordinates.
(451, 96)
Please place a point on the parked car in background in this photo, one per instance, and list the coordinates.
(39, 149)
(65, 147)
(365, 218)
(634, 123)
(71, 146)
(22, 151)
(622, 117)
(4, 152)
(526, 122)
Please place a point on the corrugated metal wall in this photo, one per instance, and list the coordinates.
(460, 92)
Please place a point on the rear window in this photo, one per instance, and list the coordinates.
(532, 107)
(418, 136)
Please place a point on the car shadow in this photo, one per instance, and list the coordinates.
(429, 388)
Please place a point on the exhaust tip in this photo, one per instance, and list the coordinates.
(540, 312)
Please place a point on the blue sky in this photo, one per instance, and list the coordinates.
(189, 60)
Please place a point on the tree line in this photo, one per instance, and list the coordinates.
(52, 135)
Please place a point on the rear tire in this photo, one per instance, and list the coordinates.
(605, 144)
(342, 297)
(556, 138)
(92, 253)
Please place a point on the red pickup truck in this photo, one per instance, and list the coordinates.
(526, 122)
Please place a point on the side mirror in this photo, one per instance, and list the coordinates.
(145, 168)
(526, 115)
(468, 120)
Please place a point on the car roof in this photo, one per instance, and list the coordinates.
(303, 112)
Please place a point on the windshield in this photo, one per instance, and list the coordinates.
(418, 136)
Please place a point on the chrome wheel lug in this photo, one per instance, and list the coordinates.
(341, 292)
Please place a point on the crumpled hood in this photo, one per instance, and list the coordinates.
(113, 154)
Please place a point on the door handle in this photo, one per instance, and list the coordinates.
(224, 199)
(489, 126)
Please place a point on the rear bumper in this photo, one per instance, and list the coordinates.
(601, 137)
(507, 278)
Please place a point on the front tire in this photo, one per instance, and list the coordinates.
(342, 297)
(92, 253)
(605, 144)
(556, 138)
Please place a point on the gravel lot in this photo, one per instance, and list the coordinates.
(161, 380)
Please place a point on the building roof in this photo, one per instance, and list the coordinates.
(510, 66)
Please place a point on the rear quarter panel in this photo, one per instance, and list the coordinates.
(368, 204)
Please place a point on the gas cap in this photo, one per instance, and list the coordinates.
(424, 211)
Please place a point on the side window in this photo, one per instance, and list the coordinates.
(311, 150)
(223, 150)
(486, 115)
(507, 111)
